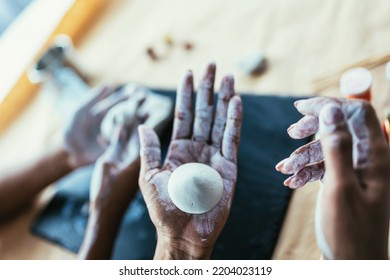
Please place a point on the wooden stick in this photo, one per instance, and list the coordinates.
(332, 79)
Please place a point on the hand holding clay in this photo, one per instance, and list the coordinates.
(82, 131)
(199, 136)
(158, 108)
(110, 178)
(113, 185)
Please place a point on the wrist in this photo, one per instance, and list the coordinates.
(67, 159)
(99, 237)
(104, 218)
(112, 190)
(180, 249)
(61, 162)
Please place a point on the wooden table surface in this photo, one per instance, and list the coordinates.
(302, 39)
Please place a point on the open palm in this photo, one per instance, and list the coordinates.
(197, 137)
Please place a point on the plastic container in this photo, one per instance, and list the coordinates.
(356, 83)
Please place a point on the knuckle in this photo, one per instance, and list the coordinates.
(182, 115)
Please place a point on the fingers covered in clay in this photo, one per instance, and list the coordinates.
(98, 94)
(313, 106)
(360, 120)
(369, 145)
(309, 173)
(182, 126)
(307, 154)
(231, 136)
(306, 126)
(103, 106)
(224, 96)
(310, 108)
(337, 146)
(204, 105)
(118, 141)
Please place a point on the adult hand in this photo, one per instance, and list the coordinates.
(352, 217)
(113, 185)
(307, 162)
(119, 163)
(197, 137)
(82, 131)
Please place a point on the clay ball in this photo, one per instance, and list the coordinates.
(195, 188)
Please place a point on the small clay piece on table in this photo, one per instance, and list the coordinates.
(168, 40)
(188, 45)
(152, 54)
(253, 64)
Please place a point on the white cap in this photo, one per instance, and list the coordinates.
(355, 81)
(388, 70)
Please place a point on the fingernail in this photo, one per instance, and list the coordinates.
(332, 115)
(287, 181)
(291, 127)
(230, 76)
(293, 132)
(279, 166)
(297, 102)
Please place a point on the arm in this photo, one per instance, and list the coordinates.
(104, 220)
(80, 147)
(20, 184)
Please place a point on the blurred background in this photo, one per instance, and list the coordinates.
(9, 10)
(282, 47)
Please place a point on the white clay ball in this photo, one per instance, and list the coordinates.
(195, 188)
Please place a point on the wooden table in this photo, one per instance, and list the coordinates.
(302, 39)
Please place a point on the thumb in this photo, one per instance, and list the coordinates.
(117, 144)
(336, 142)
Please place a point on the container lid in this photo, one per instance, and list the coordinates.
(355, 81)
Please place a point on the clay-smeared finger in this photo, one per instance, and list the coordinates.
(98, 94)
(306, 126)
(224, 96)
(313, 106)
(101, 108)
(309, 173)
(370, 148)
(204, 105)
(336, 143)
(307, 154)
(150, 151)
(117, 142)
(232, 133)
(182, 124)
